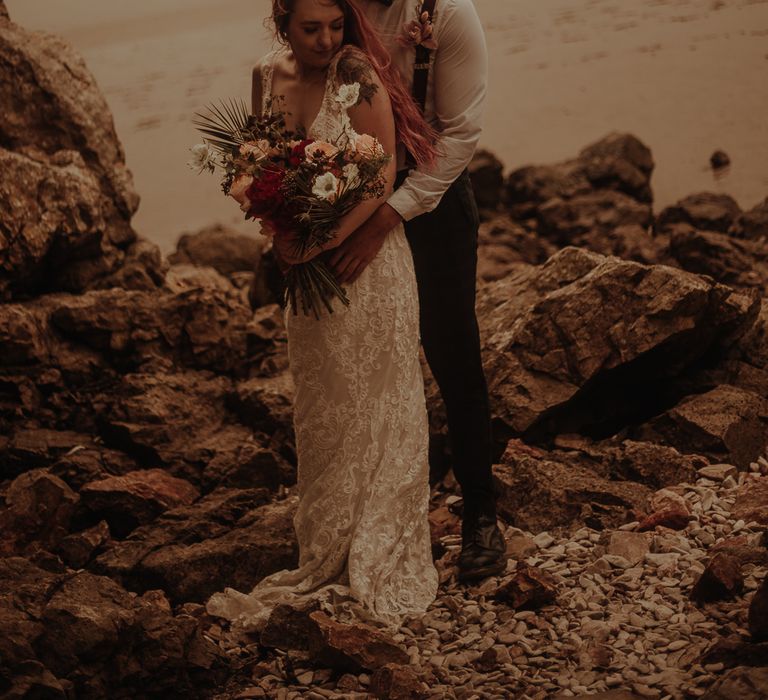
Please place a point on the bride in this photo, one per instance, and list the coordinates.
(359, 408)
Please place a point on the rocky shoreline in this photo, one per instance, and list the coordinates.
(146, 449)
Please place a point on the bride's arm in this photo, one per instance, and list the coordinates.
(371, 115)
(256, 90)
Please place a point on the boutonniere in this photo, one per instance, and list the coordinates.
(418, 32)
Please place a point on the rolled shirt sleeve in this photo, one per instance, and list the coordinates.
(459, 86)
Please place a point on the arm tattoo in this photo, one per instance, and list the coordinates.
(355, 68)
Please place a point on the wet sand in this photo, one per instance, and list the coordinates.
(686, 76)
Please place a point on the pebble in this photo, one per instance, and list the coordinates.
(615, 625)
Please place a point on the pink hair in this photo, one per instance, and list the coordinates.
(411, 128)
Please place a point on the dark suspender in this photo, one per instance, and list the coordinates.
(421, 72)
(421, 66)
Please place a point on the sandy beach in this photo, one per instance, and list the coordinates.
(685, 76)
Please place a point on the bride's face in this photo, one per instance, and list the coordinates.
(315, 31)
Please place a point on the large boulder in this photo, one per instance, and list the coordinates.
(67, 196)
(738, 263)
(706, 211)
(618, 162)
(78, 634)
(223, 249)
(589, 218)
(232, 537)
(541, 493)
(567, 342)
(752, 224)
(486, 173)
(727, 424)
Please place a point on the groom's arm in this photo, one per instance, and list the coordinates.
(460, 75)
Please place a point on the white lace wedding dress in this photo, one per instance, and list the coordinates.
(361, 439)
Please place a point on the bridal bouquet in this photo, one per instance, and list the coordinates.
(297, 187)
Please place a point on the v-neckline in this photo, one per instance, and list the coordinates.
(325, 89)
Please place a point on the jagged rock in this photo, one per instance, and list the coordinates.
(654, 465)
(266, 405)
(705, 211)
(86, 634)
(503, 244)
(718, 472)
(486, 172)
(162, 418)
(752, 501)
(752, 224)
(565, 343)
(221, 248)
(539, 494)
(248, 465)
(752, 347)
(670, 518)
(739, 263)
(520, 547)
(39, 508)
(143, 268)
(629, 242)
(3, 10)
(740, 684)
(617, 162)
(77, 549)
(52, 230)
(352, 647)
(197, 328)
(229, 538)
(529, 588)
(183, 277)
(758, 615)
(734, 651)
(740, 549)
(30, 448)
(136, 498)
(83, 465)
(287, 625)
(721, 579)
(397, 682)
(727, 424)
(667, 509)
(633, 546)
(59, 149)
(593, 215)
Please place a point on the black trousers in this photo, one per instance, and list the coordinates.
(444, 247)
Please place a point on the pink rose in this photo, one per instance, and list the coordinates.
(238, 189)
(321, 149)
(366, 145)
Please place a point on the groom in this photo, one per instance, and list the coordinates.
(441, 221)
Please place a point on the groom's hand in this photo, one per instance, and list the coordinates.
(354, 254)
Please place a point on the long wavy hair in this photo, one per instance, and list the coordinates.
(411, 129)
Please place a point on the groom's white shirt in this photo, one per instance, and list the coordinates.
(455, 92)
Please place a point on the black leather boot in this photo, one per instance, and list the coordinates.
(483, 549)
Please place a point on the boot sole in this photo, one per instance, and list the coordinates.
(482, 572)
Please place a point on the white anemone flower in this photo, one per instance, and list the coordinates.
(326, 186)
(203, 158)
(348, 95)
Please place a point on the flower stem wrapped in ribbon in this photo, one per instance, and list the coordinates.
(298, 188)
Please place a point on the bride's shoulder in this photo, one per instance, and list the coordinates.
(354, 66)
(351, 60)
